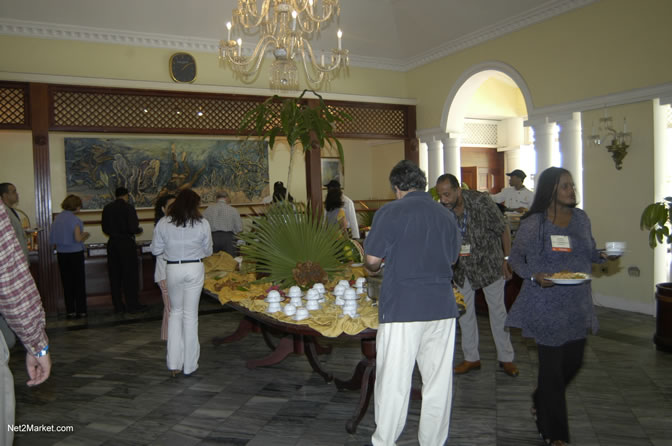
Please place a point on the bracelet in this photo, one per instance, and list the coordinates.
(42, 352)
(506, 258)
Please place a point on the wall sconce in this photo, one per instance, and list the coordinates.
(616, 142)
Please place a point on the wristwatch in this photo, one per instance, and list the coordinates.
(42, 352)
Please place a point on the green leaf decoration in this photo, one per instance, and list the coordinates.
(297, 119)
(289, 235)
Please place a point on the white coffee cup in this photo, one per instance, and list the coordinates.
(615, 248)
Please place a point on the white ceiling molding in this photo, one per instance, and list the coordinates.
(43, 30)
(543, 12)
(561, 112)
(100, 35)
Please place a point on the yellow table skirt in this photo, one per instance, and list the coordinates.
(329, 321)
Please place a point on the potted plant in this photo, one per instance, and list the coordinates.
(657, 219)
(310, 123)
(291, 245)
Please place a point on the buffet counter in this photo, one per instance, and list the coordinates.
(97, 280)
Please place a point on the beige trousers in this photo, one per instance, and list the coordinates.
(398, 346)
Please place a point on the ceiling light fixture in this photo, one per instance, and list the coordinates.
(285, 26)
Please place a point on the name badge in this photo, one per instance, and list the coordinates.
(560, 243)
(465, 250)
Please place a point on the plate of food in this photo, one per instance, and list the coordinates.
(568, 278)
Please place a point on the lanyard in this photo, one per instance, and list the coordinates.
(462, 225)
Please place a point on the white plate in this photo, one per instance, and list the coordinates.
(614, 253)
(568, 281)
(357, 265)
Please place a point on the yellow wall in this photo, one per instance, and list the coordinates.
(614, 200)
(498, 98)
(606, 47)
(31, 56)
(17, 168)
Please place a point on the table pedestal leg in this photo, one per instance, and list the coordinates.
(363, 378)
(285, 346)
(245, 326)
(313, 349)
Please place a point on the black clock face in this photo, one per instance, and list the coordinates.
(182, 67)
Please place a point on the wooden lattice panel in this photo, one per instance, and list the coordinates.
(372, 120)
(138, 111)
(13, 100)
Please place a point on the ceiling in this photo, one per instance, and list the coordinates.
(390, 34)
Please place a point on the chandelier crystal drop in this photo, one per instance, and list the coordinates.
(284, 27)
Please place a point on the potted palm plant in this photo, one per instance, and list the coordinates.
(304, 122)
(657, 219)
(291, 245)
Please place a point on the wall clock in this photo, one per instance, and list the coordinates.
(182, 67)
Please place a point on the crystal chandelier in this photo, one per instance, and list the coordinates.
(285, 27)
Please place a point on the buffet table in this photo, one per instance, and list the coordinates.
(240, 293)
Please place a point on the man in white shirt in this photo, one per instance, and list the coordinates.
(225, 223)
(349, 208)
(516, 198)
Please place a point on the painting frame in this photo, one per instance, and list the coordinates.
(332, 169)
(152, 167)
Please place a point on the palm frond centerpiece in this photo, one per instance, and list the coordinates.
(294, 246)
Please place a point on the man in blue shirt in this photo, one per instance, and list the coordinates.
(419, 241)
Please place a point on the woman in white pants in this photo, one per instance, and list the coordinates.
(183, 237)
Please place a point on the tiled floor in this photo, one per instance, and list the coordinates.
(110, 383)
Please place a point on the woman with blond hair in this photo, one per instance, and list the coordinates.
(67, 233)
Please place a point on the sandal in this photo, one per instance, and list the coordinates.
(174, 373)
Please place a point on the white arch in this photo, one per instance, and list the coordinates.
(463, 89)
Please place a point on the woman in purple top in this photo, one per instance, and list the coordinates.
(67, 233)
(554, 236)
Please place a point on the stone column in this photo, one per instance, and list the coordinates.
(451, 155)
(434, 161)
(422, 156)
(571, 149)
(543, 144)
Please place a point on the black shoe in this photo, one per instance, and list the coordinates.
(81, 315)
(138, 309)
(71, 316)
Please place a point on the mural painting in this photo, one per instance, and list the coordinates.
(150, 168)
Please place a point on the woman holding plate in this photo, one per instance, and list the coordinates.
(554, 236)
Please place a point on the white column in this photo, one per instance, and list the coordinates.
(451, 155)
(571, 149)
(422, 156)
(543, 145)
(434, 161)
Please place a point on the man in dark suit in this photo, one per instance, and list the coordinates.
(120, 224)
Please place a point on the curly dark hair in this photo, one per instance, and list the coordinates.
(406, 175)
(334, 199)
(185, 208)
(158, 207)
